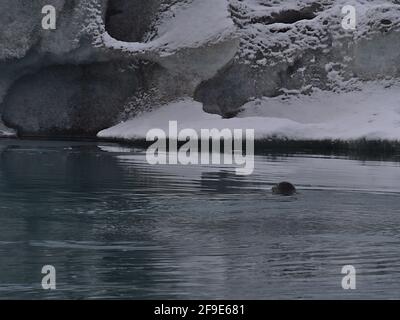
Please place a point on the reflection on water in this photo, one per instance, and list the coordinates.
(116, 227)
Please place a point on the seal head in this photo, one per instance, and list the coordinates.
(284, 188)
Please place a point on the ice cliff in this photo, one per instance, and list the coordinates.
(114, 60)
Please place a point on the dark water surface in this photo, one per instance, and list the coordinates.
(115, 227)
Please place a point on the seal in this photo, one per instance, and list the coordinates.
(284, 188)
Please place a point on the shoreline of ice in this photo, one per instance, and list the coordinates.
(371, 114)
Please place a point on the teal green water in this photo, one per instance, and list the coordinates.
(115, 227)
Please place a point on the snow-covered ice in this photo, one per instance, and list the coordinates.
(372, 113)
(185, 25)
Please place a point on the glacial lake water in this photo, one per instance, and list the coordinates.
(115, 227)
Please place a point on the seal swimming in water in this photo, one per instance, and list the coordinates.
(284, 188)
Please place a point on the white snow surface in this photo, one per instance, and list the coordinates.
(186, 25)
(373, 113)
